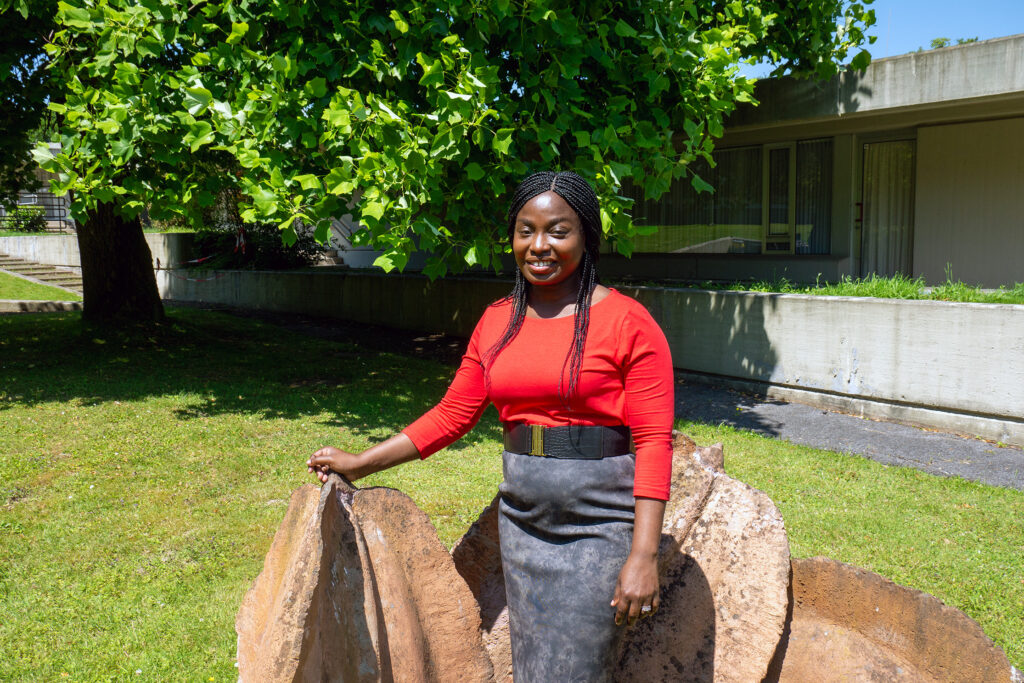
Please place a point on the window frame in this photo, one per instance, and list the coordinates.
(790, 234)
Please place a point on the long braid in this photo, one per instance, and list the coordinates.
(578, 194)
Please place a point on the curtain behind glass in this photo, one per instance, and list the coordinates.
(814, 197)
(886, 247)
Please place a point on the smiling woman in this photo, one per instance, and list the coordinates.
(579, 374)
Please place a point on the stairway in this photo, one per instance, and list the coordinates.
(41, 273)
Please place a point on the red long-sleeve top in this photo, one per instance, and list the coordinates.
(626, 379)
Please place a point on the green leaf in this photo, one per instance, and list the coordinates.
(56, 107)
(861, 61)
(474, 171)
(372, 209)
(384, 261)
(317, 87)
(108, 126)
(282, 64)
(582, 138)
(75, 17)
(104, 194)
(433, 72)
(122, 149)
(471, 256)
(502, 140)
(238, 32)
(699, 184)
(624, 30)
(338, 181)
(400, 23)
(308, 181)
(199, 133)
(197, 99)
(265, 201)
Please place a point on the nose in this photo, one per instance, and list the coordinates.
(539, 243)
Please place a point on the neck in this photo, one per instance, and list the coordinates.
(553, 300)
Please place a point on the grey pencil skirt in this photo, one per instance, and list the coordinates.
(565, 529)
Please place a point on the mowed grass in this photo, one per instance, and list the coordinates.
(144, 474)
(17, 288)
(143, 478)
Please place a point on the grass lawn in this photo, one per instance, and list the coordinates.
(143, 476)
(16, 288)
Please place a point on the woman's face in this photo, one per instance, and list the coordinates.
(548, 241)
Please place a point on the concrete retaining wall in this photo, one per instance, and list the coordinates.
(62, 250)
(951, 366)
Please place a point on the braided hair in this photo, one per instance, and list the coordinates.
(578, 194)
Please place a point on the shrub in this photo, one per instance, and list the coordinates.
(26, 218)
(263, 248)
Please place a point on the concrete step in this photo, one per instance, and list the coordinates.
(30, 270)
(58, 274)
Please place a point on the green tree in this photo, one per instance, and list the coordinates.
(24, 91)
(421, 115)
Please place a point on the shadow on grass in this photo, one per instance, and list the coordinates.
(221, 364)
(718, 406)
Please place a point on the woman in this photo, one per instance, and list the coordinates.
(575, 370)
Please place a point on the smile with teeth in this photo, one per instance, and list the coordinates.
(541, 266)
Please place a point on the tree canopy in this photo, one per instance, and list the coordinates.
(416, 117)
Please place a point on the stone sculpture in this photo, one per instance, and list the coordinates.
(357, 587)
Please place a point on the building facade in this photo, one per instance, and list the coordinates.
(915, 166)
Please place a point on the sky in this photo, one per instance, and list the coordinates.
(904, 25)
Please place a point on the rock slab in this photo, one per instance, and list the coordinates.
(849, 624)
(357, 587)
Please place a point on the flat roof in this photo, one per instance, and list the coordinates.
(961, 82)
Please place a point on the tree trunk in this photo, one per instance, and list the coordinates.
(117, 269)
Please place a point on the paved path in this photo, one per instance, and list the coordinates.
(887, 442)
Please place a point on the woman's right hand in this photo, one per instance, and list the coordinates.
(329, 459)
(352, 466)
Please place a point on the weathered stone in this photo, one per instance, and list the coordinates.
(478, 559)
(310, 614)
(853, 625)
(724, 565)
(357, 587)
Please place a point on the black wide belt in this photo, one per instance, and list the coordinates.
(574, 441)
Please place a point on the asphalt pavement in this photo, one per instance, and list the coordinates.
(890, 443)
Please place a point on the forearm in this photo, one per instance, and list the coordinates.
(395, 451)
(648, 518)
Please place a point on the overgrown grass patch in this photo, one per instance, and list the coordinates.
(16, 288)
(896, 287)
(144, 474)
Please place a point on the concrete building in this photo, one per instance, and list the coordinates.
(914, 166)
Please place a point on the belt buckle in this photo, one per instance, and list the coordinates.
(537, 440)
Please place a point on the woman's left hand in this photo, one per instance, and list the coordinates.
(636, 588)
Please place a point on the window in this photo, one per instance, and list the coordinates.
(771, 199)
